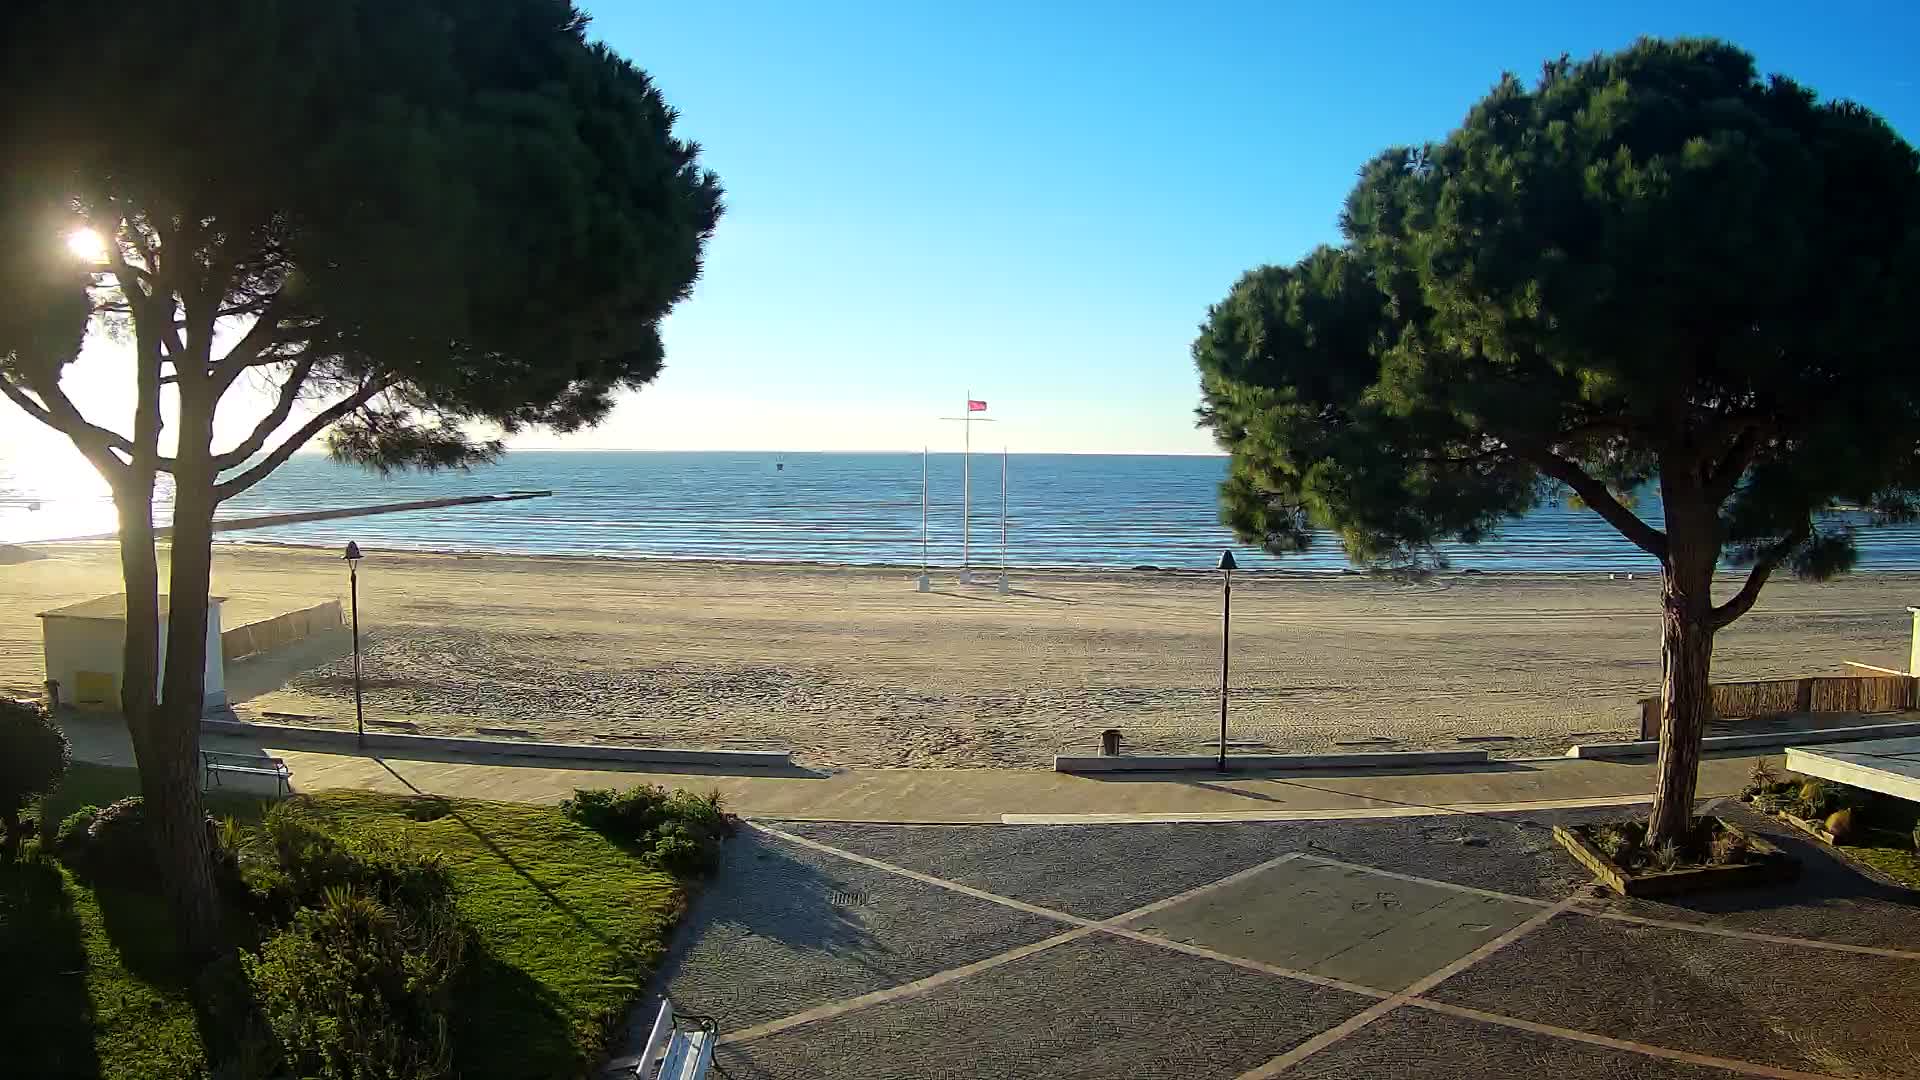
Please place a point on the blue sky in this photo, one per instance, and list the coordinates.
(1037, 201)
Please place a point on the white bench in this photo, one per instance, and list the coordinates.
(683, 1055)
(215, 762)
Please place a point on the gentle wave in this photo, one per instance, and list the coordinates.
(1062, 511)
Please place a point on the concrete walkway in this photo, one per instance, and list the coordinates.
(1023, 796)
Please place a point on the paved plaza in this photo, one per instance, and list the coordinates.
(1439, 946)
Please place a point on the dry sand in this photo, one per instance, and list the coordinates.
(852, 667)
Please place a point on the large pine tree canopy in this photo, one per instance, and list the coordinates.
(411, 214)
(1654, 265)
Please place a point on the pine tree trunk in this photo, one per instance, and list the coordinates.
(1686, 696)
(170, 772)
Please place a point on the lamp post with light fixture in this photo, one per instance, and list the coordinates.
(1227, 567)
(353, 585)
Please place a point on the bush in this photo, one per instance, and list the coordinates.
(1666, 857)
(1762, 778)
(678, 831)
(73, 828)
(299, 864)
(1817, 800)
(115, 847)
(1728, 848)
(1842, 825)
(358, 988)
(33, 757)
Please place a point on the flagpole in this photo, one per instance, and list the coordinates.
(924, 583)
(1003, 521)
(966, 493)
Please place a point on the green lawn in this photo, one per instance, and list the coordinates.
(568, 926)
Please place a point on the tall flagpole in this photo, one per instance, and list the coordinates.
(925, 583)
(1003, 521)
(966, 493)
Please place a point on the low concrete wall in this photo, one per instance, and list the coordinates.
(1765, 740)
(337, 738)
(281, 630)
(1247, 762)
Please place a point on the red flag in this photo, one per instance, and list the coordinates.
(976, 406)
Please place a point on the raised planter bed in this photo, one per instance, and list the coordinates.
(1765, 865)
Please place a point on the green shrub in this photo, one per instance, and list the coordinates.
(1842, 825)
(1762, 778)
(1728, 848)
(299, 863)
(1817, 800)
(1665, 857)
(73, 828)
(679, 831)
(357, 988)
(33, 757)
(116, 848)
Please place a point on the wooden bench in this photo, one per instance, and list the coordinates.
(682, 1055)
(214, 762)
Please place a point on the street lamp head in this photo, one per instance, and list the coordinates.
(353, 552)
(1226, 561)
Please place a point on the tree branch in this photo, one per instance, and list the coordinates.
(1732, 465)
(1742, 602)
(229, 488)
(97, 443)
(258, 336)
(1601, 501)
(283, 408)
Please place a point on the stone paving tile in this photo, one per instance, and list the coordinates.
(1831, 900)
(1773, 1004)
(1094, 871)
(1510, 853)
(1339, 922)
(1095, 1007)
(783, 928)
(1414, 1044)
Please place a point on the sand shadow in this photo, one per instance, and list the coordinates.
(1299, 778)
(461, 757)
(47, 1024)
(263, 673)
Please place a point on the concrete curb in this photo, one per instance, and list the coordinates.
(1768, 740)
(1245, 762)
(385, 740)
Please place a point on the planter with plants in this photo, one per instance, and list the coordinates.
(1876, 830)
(1716, 854)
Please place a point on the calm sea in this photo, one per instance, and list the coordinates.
(1062, 511)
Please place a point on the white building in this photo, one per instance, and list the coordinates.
(85, 644)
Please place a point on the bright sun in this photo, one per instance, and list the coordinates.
(86, 245)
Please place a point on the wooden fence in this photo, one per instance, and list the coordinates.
(1872, 690)
(280, 631)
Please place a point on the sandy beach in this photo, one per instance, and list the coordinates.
(851, 667)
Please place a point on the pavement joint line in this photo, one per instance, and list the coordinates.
(1379, 1009)
(926, 879)
(893, 993)
(1748, 935)
(1082, 927)
(1327, 814)
(1748, 1068)
(1242, 962)
(1418, 880)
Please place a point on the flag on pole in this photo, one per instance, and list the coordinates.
(976, 406)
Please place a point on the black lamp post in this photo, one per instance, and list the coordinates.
(353, 585)
(1227, 567)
